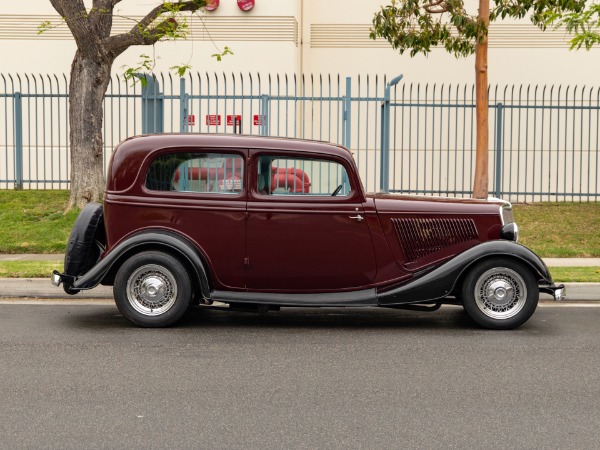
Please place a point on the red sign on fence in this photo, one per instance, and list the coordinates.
(258, 119)
(213, 119)
(231, 118)
(191, 120)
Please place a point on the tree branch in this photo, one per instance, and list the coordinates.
(101, 17)
(76, 17)
(436, 7)
(142, 34)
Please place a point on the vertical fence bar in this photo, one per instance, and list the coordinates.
(384, 179)
(264, 129)
(182, 106)
(499, 132)
(18, 141)
(384, 183)
(347, 113)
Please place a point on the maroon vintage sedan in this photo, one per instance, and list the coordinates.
(260, 223)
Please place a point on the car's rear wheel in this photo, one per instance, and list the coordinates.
(152, 289)
(500, 293)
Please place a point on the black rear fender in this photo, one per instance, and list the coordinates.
(104, 272)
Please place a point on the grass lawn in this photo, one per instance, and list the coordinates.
(34, 221)
(560, 230)
(575, 274)
(29, 269)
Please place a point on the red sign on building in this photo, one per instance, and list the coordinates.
(245, 5)
(231, 118)
(191, 120)
(212, 5)
(213, 119)
(258, 119)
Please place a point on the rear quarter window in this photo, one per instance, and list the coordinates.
(197, 172)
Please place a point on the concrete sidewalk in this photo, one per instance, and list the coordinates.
(550, 262)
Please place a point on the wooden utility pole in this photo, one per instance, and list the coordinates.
(480, 183)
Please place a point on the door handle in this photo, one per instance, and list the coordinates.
(359, 218)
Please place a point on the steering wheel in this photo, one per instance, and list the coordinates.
(337, 190)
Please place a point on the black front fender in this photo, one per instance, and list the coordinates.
(441, 281)
(155, 238)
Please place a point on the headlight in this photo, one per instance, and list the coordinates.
(510, 232)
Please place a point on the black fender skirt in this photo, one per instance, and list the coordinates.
(441, 281)
(155, 239)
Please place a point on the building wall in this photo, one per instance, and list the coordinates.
(300, 36)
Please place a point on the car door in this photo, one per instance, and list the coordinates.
(301, 237)
(201, 194)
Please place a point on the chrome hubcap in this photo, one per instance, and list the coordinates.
(151, 290)
(500, 293)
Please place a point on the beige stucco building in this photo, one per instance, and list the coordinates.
(299, 36)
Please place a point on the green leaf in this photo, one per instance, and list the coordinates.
(181, 70)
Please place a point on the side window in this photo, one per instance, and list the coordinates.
(301, 176)
(197, 172)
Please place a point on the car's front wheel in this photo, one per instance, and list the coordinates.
(500, 293)
(152, 289)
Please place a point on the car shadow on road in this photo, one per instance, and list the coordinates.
(328, 318)
(371, 318)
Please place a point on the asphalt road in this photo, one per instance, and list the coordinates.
(79, 376)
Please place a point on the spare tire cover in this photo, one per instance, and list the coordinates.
(85, 241)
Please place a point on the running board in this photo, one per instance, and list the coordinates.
(366, 297)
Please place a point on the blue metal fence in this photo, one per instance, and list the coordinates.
(405, 137)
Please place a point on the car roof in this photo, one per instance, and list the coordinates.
(165, 140)
(130, 154)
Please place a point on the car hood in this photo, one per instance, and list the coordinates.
(390, 203)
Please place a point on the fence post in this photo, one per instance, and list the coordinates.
(384, 181)
(499, 133)
(347, 114)
(152, 106)
(18, 141)
(183, 107)
(264, 129)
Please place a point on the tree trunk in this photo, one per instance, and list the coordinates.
(480, 184)
(89, 81)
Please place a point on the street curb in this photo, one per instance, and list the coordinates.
(42, 288)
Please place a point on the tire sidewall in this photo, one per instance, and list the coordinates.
(468, 294)
(182, 280)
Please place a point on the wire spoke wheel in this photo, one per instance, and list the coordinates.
(151, 290)
(500, 293)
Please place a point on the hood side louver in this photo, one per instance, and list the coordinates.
(422, 237)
